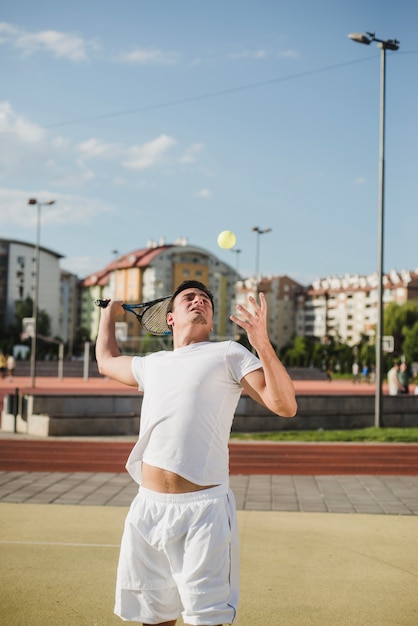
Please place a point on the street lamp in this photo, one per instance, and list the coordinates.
(388, 44)
(36, 293)
(258, 231)
(237, 252)
(115, 265)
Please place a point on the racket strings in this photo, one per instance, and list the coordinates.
(154, 319)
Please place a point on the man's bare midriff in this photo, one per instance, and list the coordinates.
(163, 481)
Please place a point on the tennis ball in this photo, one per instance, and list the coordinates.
(226, 239)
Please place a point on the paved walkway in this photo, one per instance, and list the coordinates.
(384, 495)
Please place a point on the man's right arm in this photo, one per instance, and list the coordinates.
(109, 359)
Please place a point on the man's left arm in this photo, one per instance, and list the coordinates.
(271, 386)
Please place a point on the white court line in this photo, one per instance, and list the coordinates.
(61, 543)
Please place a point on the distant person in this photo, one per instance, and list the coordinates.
(3, 365)
(355, 369)
(403, 377)
(372, 377)
(393, 380)
(11, 364)
(365, 373)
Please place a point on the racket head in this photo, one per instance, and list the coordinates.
(153, 318)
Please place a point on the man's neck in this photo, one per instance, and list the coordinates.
(187, 338)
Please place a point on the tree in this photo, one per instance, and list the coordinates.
(24, 308)
(398, 320)
(410, 344)
(297, 353)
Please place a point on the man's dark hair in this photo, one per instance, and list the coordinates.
(190, 284)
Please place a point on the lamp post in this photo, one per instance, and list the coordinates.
(36, 293)
(115, 265)
(388, 44)
(237, 252)
(258, 231)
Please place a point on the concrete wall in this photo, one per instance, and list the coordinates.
(328, 413)
(58, 415)
(70, 415)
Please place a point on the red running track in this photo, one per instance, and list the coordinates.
(245, 457)
(105, 386)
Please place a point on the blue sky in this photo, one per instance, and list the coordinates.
(150, 120)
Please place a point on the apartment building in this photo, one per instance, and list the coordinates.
(285, 314)
(345, 308)
(153, 272)
(18, 276)
(69, 308)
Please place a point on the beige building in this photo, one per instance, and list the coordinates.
(284, 315)
(153, 272)
(345, 308)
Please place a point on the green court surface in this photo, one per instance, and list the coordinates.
(57, 567)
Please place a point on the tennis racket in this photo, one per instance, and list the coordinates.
(151, 315)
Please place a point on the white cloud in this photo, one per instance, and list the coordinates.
(30, 151)
(191, 153)
(60, 143)
(289, 54)
(149, 154)
(38, 157)
(119, 181)
(8, 29)
(141, 56)
(250, 54)
(263, 53)
(361, 180)
(203, 193)
(96, 148)
(59, 44)
(15, 211)
(69, 174)
(12, 123)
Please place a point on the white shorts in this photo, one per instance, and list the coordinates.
(179, 555)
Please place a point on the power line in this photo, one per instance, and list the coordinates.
(213, 94)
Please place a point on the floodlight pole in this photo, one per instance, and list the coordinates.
(258, 231)
(237, 252)
(115, 266)
(389, 44)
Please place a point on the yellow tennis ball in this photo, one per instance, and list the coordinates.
(226, 239)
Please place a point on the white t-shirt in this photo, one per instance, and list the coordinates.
(190, 397)
(393, 382)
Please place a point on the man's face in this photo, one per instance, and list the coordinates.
(191, 306)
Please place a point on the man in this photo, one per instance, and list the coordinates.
(403, 377)
(393, 380)
(355, 370)
(179, 552)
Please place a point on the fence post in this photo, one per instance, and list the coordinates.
(86, 360)
(15, 407)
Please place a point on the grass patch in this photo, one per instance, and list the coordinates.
(385, 435)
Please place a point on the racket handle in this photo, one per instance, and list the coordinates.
(101, 303)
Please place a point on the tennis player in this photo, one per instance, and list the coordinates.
(179, 552)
